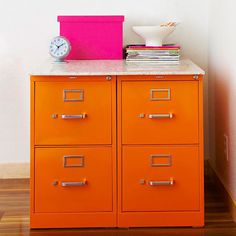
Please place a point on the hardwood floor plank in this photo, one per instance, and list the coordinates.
(14, 216)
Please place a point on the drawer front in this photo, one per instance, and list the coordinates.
(163, 178)
(73, 112)
(73, 180)
(160, 112)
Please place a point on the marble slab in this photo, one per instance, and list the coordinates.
(116, 67)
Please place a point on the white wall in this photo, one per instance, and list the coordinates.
(26, 26)
(222, 89)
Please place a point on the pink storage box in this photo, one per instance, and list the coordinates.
(93, 37)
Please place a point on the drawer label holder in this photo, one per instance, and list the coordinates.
(162, 160)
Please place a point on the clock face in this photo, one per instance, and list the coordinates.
(59, 47)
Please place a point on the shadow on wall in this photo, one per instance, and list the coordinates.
(223, 156)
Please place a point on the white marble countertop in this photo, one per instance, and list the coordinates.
(116, 67)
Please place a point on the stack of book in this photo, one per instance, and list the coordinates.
(166, 54)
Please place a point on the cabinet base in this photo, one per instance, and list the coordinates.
(125, 220)
(161, 219)
(72, 220)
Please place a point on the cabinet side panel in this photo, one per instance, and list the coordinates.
(201, 146)
(114, 145)
(119, 149)
(32, 128)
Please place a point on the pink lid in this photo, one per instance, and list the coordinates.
(90, 18)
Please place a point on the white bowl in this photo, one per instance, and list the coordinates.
(153, 35)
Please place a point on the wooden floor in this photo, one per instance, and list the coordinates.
(14, 214)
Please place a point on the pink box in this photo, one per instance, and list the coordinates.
(93, 37)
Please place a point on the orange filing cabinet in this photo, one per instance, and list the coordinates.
(117, 150)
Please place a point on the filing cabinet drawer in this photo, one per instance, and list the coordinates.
(160, 178)
(73, 112)
(159, 112)
(73, 180)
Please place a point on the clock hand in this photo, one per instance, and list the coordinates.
(61, 45)
(56, 49)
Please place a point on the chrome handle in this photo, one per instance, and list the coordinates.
(160, 116)
(80, 116)
(74, 184)
(161, 183)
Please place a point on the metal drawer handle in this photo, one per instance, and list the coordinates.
(74, 184)
(80, 116)
(161, 183)
(160, 116)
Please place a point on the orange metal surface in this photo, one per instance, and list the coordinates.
(73, 220)
(117, 143)
(159, 216)
(57, 99)
(104, 215)
(162, 219)
(145, 98)
(144, 166)
(88, 167)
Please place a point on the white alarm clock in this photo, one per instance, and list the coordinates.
(59, 48)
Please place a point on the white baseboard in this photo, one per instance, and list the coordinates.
(14, 170)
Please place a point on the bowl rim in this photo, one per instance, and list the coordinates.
(152, 26)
